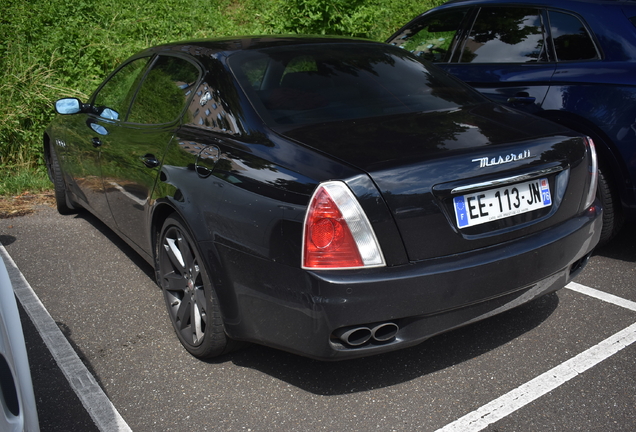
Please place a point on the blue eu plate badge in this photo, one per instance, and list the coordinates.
(460, 209)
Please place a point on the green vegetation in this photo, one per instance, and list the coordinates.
(17, 180)
(55, 48)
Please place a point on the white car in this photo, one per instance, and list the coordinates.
(18, 412)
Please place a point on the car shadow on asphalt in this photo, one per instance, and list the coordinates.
(119, 242)
(6, 240)
(622, 247)
(384, 370)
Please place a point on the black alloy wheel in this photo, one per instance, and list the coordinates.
(188, 292)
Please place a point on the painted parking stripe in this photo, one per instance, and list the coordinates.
(550, 380)
(606, 297)
(95, 401)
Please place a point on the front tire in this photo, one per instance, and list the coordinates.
(187, 288)
(55, 174)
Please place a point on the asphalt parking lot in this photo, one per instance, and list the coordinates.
(564, 362)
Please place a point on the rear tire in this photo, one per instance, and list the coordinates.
(606, 190)
(190, 298)
(55, 174)
(612, 214)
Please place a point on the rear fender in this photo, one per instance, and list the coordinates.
(610, 161)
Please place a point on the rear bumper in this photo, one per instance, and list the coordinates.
(298, 311)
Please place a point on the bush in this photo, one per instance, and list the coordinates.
(58, 48)
(373, 19)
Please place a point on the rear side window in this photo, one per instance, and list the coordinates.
(506, 35)
(571, 39)
(432, 37)
(164, 91)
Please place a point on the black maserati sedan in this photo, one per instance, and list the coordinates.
(331, 197)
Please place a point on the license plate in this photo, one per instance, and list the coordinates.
(494, 204)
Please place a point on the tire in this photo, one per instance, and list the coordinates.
(190, 298)
(606, 191)
(55, 174)
(612, 215)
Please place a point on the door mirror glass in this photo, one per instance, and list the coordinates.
(110, 114)
(68, 106)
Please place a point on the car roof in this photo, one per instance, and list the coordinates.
(573, 5)
(229, 45)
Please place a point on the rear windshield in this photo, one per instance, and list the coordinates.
(308, 84)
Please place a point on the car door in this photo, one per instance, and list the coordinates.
(505, 55)
(88, 131)
(133, 150)
(579, 67)
(501, 51)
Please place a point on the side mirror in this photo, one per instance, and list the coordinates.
(68, 106)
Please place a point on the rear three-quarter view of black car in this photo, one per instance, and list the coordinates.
(330, 197)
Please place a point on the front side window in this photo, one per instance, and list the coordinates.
(571, 40)
(164, 91)
(506, 35)
(432, 37)
(113, 99)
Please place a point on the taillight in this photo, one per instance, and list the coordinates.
(337, 233)
(593, 169)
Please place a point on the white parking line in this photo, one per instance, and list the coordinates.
(550, 380)
(95, 401)
(606, 297)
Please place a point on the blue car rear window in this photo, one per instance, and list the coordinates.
(572, 42)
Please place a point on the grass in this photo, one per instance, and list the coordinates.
(22, 189)
(20, 180)
(42, 61)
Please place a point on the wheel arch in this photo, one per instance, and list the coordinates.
(227, 302)
(611, 189)
(609, 157)
(160, 213)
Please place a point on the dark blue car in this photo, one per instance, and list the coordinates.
(572, 62)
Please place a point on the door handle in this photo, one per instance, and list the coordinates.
(521, 98)
(96, 142)
(150, 160)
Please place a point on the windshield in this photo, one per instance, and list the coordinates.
(305, 84)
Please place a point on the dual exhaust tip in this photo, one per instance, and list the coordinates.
(359, 335)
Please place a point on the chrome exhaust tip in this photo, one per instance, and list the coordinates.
(355, 336)
(384, 332)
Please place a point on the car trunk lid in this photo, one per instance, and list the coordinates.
(493, 159)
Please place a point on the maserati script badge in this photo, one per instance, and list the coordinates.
(486, 162)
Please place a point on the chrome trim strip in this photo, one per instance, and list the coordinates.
(505, 181)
